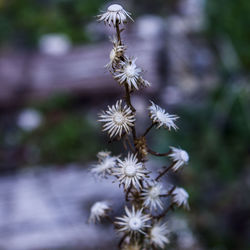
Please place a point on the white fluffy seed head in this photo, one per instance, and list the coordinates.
(98, 210)
(158, 235)
(154, 192)
(112, 55)
(134, 221)
(115, 8)
(117, 119)
(180, 197)
(151, 196)
(184, 156)
(161, 117)
(115, 54)
(129, 73)
(115, 14)
(130, 171)
(130, 70)
(105, 165)
(180, 158)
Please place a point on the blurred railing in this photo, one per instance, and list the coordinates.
(27, 76)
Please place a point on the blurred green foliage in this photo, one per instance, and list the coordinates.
(69, 138)
(231, 18)
(23, 22)
(67, 133)
(216, 134)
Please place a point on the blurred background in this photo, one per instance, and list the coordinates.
(196, 54)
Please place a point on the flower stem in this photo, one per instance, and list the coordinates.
(129, 144)
(128, 98)
(128, 101)
(118, 33)
(122, 240)
(156, 153)
(164, 172)
(148, 129)
(127, 192)
(158, 217)
(127, 92)
(169, 192)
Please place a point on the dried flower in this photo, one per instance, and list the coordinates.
(115, 14)
(133, 222)
(117, 119)
(151, 196)
(129, 73)
(180, 197)
(158, 235)
(130, 171)
(160, 116)
(116, 53)
(98, 210)
(105, 166)
(180, 158)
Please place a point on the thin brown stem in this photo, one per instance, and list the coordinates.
(124, 144)
(129, 144)
(128, 101)
(127, 192)
(152, 152)
(116, 138)
(169, 192)
(127, 92)
(118, 33)
(122, 240)
(164, 195)
(141, 183)
(164, 172)
(158, 217)
(148, 129)
(171, 206)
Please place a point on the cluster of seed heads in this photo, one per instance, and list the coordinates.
(142, 226)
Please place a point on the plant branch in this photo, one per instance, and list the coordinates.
(122, 240)
(158, 217)
(124, 144)
(164, 172)
(128, 101)
(118, 33)
(127, 92)
(152, 152)
(148, 129)
(127, 98)
(129, 144)
(171, 206)
(127, 192)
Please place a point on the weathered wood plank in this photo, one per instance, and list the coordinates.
(25, 76)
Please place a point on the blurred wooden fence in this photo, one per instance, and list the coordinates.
(27, 76)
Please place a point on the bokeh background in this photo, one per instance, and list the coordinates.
(196, 53)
